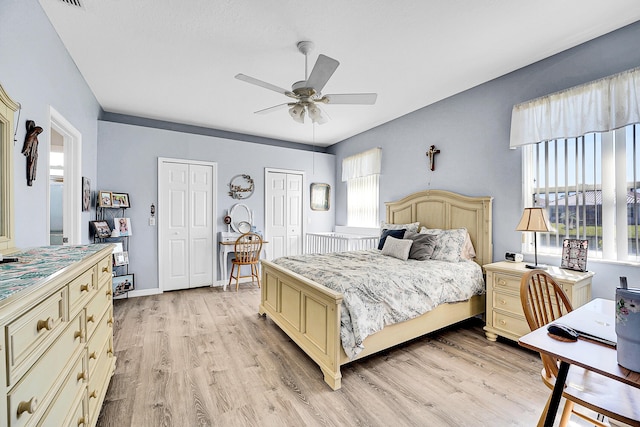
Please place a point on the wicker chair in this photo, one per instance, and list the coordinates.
(247, 252)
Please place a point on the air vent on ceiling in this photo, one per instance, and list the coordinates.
(75, 3)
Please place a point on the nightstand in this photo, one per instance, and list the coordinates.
(504, 314)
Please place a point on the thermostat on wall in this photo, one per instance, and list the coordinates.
(513, 257)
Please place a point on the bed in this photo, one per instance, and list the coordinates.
(309, 313)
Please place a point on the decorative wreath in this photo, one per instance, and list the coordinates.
(241, 186)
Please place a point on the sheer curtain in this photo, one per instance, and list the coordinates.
(361, 172)
(599, 106)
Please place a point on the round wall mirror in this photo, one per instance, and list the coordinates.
(241, 220)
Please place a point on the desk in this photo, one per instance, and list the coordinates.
(227, 246)
(587, 354)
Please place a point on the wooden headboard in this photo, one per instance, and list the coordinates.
(444, 209)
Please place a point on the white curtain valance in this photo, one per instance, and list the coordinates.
(362, 164)
(599, 106)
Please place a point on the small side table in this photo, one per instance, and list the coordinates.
(504, 315)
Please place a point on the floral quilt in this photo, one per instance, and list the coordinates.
(379, 290)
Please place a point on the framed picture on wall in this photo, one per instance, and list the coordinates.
(320, 196)
(104, 199)
(120, 200)
(86, 194)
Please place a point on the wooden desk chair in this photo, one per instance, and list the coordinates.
(543, 301)
(247, 252)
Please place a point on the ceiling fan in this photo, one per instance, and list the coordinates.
(307, 94)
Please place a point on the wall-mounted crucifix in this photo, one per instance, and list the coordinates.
(432, 157)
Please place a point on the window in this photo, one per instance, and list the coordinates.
(590, 187)
(362, 174)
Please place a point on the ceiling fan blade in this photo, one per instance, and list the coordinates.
(322, 72)
(263, 84)
(351, 98)
(270, 109)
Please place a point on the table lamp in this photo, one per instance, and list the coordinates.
(534, 219)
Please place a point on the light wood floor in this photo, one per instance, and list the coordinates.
(204, 357)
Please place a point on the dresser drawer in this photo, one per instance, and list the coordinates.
(99, 379)
(72, 391)
(81, 289)
(27, 335)
(104, 270)
(508, 302)
(96, 309)
(102, 336)
(506, 282)
(35, 390)
(514, 325)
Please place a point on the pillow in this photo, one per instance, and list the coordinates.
(468, 251)
(423, 245)
(398, 234)
(409, 227)
(449, 245)
(397, 248)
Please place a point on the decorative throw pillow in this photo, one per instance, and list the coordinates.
(449, 245)
(423, 245)
(397, 248)
(468, 251)
(398, 234)
(409, 227)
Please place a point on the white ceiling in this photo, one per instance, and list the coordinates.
(176, 60)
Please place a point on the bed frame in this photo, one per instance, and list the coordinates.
(310, 313)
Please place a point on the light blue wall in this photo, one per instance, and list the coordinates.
(129, 163)
(37, 71)
(472, 131)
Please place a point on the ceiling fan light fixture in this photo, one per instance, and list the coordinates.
(297, 113)
(315, 113)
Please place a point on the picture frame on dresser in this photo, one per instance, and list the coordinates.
(120, 200)
(100, 228)
(574, 254)
(104, 199)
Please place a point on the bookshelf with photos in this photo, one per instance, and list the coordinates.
(113, 226)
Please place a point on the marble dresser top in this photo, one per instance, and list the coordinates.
(39, 263)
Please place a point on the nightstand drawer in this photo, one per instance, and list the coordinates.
(507, 282)
(507, 302)
(513, 325)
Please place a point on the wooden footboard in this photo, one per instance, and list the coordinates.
(309, 314)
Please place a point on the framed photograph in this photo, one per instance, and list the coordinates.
(122, 226)
(100, 229)
(120, 200)
(320, 196)
(104, 199)
(122, 284)
(120, 258)
(574, 254)
(86, 194)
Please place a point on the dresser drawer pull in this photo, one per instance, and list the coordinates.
(45, 324)
(91, 318)
(503, 302)
(105, 269)
(93, 394)
(84, 288)
(502, 282)
(110, 352)
(93, 355)
(82, 376)
(503, 322)
(81, 421)
(78, 334)
(28, 407)
(110, 321)
(109, 292)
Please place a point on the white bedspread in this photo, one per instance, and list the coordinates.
(379, 290)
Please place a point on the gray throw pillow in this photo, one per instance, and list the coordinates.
(397, 248)
(423, 245)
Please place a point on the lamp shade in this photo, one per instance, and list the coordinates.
(297, 113)
(534, 219)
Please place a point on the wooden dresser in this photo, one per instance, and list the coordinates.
(56, 336)
(504, 315)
